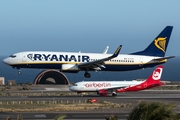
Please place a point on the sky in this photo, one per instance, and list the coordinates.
(86, 25)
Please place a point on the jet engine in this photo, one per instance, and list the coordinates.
(70, 68)
(103, 92)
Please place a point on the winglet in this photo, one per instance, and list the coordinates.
(117, 51)
(105, 50)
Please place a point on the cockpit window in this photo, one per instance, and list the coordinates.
(74, 84)
(12, 56)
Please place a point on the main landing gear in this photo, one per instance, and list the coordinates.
(87, 75)
(114, 93)
(19, 71)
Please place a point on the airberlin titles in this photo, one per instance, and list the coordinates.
(98, 85)
(55, 57)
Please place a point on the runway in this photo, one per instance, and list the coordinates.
(134, 98)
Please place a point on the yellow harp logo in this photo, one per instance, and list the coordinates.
(160, 43)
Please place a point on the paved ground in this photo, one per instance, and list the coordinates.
(170, 96)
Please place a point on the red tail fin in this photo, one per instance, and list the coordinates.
(156, 75)
(152, 81)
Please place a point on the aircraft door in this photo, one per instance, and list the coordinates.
(145, 85)
(140, 61)
(24, 58)
(82, 86)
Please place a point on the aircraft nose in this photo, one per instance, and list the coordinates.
(71, 88)
(6, 60)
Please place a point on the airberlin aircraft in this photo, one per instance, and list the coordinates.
(103, 88)
(74, 62)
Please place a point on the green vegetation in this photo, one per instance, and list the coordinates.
(45, 106)
(19, 117)
(143, 111)
(112, 117)
(60, 117)
(153, 111)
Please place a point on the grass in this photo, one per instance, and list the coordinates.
(57, 107)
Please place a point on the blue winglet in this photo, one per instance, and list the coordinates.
(116, 53)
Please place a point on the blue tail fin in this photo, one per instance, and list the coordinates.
(159, 45)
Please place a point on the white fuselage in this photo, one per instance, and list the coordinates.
(55, 60)
(93, 86)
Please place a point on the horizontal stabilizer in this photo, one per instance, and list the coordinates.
(159, 59)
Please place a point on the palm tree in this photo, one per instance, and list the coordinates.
(19, 117)
(153, 111)
(112, 117)
(60, 117)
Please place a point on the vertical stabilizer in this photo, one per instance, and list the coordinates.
(156, 75)
(159, 45)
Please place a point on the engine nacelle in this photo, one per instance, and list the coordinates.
(103, 92)
(70, 68)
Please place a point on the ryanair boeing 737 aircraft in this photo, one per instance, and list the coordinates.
(74, 62)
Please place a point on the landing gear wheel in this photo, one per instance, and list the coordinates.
(19, 72)
(114, 94)
(87, 75)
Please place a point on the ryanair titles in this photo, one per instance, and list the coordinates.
(55, 57)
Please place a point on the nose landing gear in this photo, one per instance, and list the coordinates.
(87, 75)
(114, 94)
(19, 71)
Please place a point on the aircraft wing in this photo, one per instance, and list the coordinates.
(97, 64)
(163, 58)
(114, 88)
